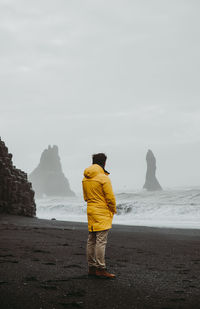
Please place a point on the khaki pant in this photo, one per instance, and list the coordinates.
(96, 246)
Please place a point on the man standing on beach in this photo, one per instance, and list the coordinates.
(101, 206)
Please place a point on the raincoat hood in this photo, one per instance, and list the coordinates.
(94, 170)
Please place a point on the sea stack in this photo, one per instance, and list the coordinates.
(48, 178)
(151, 183)
(16, 194)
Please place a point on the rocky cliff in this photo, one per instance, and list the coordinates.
(151, 182)
(16, 194)
(48, 178)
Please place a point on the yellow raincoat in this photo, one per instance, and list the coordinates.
(98, 193)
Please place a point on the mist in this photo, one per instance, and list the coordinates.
(114, 77)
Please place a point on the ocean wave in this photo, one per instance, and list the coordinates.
(177, 208)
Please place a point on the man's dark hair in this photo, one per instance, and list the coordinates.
(99, 158)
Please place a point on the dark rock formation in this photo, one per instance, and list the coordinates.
(151, 183)
(48, 178)
(16, 194)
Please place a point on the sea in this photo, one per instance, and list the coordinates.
(170, 208)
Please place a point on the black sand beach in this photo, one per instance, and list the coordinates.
(43, 265)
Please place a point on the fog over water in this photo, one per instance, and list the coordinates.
(118, 77)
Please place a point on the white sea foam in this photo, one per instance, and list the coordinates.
(169, 208)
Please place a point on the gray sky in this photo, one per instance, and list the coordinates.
(111, 76)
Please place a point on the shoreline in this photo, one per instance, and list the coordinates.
(43, 265)
(62, 224)
(55, 222)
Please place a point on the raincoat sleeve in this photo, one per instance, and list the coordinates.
(84, 192)
(109, 195)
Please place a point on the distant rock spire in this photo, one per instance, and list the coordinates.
(48, 178)
(151, 182)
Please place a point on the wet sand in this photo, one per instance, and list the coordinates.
(43, 265)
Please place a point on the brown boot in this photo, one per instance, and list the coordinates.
(92, 271)
(102, 273)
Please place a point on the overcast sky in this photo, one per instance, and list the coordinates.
(111, 76)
